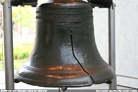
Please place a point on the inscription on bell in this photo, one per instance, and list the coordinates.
(65, 11)
(75, 16)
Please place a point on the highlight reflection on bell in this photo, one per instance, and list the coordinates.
(64, 53)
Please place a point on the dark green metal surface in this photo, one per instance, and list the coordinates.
(64, 53)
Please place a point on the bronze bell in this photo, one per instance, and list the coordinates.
(65, 53)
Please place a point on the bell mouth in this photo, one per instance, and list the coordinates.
(31, 82)
(53, 77)
(62, 76)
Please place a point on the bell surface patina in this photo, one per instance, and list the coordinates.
(64, 53)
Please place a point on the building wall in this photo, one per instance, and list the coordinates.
(126, 39)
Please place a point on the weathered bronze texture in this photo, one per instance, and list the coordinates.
(65, 53)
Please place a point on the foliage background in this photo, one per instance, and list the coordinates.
(22, 47)
(24, 16)
(21, 50)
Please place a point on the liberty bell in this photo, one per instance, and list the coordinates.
(64, 53)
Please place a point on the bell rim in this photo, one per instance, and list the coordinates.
(28, 81)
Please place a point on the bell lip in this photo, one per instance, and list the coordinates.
(105, 81)
(25, 80)
(99, 81)
(29, 81)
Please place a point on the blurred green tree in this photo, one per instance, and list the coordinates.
(24, 16)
